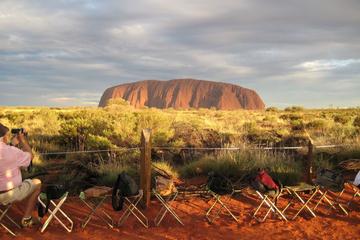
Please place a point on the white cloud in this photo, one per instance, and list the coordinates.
(135, 30)
(325, 65)
(62, 100)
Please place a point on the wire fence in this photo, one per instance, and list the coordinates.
(193, 149)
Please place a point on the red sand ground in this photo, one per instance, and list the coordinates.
(328, 225)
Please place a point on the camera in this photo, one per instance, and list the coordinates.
(18, 131)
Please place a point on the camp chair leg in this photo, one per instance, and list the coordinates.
(94, 208)
(356, 193)
(8, 229)
(272, 207)
(3, 215)
(343, 209)
(258, 208)
(218, 200)
(9, 218)
(305, 204)
(131, 208)
(339, 204)
(330, 203)
(323, 196)
(166, 208)
(57, 208)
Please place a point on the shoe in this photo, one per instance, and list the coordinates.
(29, 222)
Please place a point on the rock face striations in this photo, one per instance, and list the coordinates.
(184, 94)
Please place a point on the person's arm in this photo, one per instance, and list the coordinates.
(24, 155)
(25, 144)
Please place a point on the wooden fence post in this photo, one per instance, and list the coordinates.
(309, 162)
(145, 165)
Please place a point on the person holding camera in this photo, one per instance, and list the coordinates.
(12, 187)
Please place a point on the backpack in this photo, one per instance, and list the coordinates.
(125, 186)
(263, 182)
(164, 186)
(331, 179)
(219, 184)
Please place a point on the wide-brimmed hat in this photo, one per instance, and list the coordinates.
(3, 130)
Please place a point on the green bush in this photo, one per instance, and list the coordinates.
(297, 125)
(356, 122)
(292, 116)
(272, 109)
(294, 109)
(318, 124)
(343, 119)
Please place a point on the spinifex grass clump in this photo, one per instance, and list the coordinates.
(165, 167)
(237, 164)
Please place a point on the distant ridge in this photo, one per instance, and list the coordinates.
(184, 94)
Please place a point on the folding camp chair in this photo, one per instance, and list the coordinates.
(301, 188)
(131, 204)
(56, 208)
(94, 198)
(269, 192)
(333, 202)
(355, 193)
(166, 207)
(218, 187)
(330, 181)
(3, 214)
(270, 202)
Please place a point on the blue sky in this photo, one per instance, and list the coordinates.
(66, 53)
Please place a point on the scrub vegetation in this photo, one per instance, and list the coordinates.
(118, 126)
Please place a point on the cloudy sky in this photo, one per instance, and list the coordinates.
(67, 52)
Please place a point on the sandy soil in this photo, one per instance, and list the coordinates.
(329, 224)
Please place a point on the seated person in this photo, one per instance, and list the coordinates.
(12, 188)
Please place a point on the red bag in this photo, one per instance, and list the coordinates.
(266, 180)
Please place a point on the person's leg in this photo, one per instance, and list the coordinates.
(32, 198)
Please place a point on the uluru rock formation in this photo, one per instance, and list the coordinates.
(184, 94)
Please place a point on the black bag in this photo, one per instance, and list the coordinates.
(53, 192)
(330, 179)
(124, 186)
(219, 184)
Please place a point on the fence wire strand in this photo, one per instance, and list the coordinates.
(192, 148)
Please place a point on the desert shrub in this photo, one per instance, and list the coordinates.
(271, 118)
(297, 125)
(294, 109)
(250, 126)
(98, 142)
(117, 102)
(356, 122)
(272, 109)
(343, 119)
(263, 137)
(318, 124)
(77, 129)
(291, 116)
